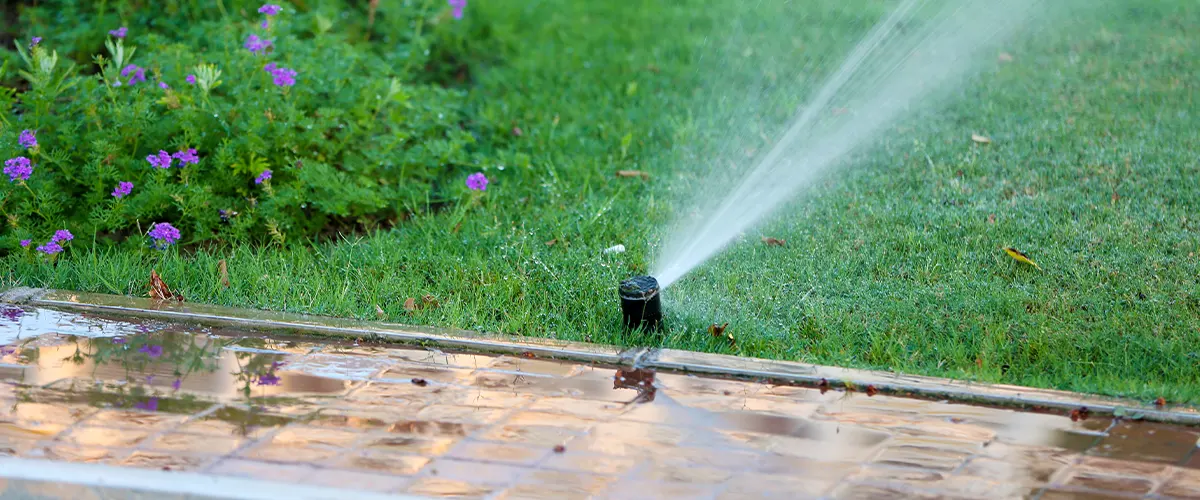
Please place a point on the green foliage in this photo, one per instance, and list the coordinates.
(356, 142)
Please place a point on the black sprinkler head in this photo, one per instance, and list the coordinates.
(640, 304)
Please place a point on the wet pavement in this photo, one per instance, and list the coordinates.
(194, 402)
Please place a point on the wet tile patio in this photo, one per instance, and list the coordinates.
(83, 388)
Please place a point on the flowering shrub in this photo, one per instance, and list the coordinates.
(262, 123)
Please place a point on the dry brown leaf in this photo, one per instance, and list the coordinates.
(991, 218)
(633, 173)
(823, 385)
(410, 304)
(1161, 401)
(774, 242)
(429, 301)
(552, 242)
(1005, 57)
(379, 312)
(872, 391)
(981, 139)
(517, 131)
(223, 271)
(159, 290)
(717, 331)
(1116, 197)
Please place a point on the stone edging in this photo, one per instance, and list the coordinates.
(783, 372)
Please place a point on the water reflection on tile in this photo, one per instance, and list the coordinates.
(422, 421)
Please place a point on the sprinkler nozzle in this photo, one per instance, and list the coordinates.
(640, 304)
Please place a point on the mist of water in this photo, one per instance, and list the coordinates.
(907, 62)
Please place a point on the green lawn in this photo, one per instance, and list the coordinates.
(893, 263)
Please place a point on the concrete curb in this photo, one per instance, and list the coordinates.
(779, 372)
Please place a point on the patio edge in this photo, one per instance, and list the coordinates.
(780, 372)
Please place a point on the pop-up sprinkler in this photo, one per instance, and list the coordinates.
(640, 305)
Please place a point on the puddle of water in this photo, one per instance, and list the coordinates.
(58, 369)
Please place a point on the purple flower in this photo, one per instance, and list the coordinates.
(119, 32)
(269, 68)
(266, 175)
(164, 235)
(26, 243)
(175, 385)
(123, 188)
(284, 77)
(255, 44)
(152, 350)
(50, 248)
(268, 379)
(27, 139)
(187, 156)
(457, 6)
(62, 235)
(270, 9)
(149, 378)
(18, 168)
(266, 24)
(148, 405)
(163, 85)
(191, 79)
(138, 74)
(35, 41)
(119, 340)
(477, 182)
(160, 160)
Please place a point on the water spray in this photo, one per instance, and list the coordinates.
(641, 304)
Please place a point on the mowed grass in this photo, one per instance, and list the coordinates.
(892, 263)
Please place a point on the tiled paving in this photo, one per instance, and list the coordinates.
(80, 388)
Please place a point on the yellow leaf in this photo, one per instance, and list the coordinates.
(1020, 257)
(982, 139)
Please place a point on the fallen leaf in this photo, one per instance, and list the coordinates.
(979, 362)
(558, 448)
(1021, 257)
(1005, 57)
(528, 355)
(429, 301)
(552, 242)
(517, 131)
(717, 331)
(982, 139)
(1116, 197)
(774, 242)
(633, 173)
(410, 304)
(379, 312)
(1161, 401)
(871, 391)
(991, 218)
(223, 271)
(823, 386)
(159, 290)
